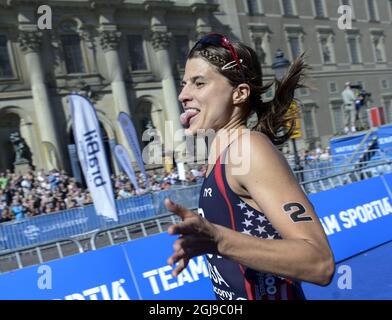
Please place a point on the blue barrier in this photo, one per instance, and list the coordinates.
(343, 148)
(134, 270)
(102, 274)
(356, 217)
(44, 228)
(365, 276)
(59, 225)
(385, 140)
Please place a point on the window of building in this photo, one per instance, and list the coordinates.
(259, 49)
(332, 87)
(182, 48)
(388, 110)
(326, 51)
(295, 38)
(288, 7)
(390, 9)
(378, 39)
(260, 35)
(385, 84)
(338, 117)
(319, 8)
(294, 46)
(353, 50)
(136, 53)
(372, 10)
(309, 124)
(378, 50)
(5, 61)
(253, 7)
(73, 53)
(326, 37)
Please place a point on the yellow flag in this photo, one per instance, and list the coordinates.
(293, 109)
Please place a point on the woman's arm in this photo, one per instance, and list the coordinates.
(304, 252)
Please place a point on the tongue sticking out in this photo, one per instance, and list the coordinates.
(186, 117)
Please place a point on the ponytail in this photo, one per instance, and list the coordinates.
(275, 118)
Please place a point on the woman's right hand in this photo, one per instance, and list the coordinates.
(198, 236)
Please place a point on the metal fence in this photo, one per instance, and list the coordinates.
(361, 171)
(20, 258)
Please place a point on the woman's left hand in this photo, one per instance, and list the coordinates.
(197, 236)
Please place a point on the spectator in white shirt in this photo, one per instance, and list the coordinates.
(348, 97)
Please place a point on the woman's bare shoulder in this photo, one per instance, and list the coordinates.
(256, 152)
(254, 144)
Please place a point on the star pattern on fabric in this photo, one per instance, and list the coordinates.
(245, 231)
(242, 205)
(261, 219)
(254, 223)
(249, 213)
(260, 229)
(247, 223)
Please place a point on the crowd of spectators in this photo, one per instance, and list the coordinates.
(309, 157)
(39, 192)
(316, 155)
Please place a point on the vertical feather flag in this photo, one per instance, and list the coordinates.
(92, 155)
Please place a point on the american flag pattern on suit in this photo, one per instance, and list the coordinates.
(230, 280)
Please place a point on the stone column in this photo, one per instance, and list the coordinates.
(160, 42)
(109, 42)
(203, 25)
(30, 42)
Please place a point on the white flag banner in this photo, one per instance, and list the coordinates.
(125, 162)
(129, 130)
(92, 155)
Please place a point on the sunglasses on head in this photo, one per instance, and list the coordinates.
(219, 40)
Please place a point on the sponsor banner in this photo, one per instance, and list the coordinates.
(92, 156)
(133, 142)
(135, 270)
(44, 228)
(343, 148)
(153, 274)
(385, 140)
(141, 208)
(356, 217)
(95, 275)
(125, 163)
(64, 224)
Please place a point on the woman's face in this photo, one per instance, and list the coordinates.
(206, 96)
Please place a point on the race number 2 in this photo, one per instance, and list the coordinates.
(296, 211)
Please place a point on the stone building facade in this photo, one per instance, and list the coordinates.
(129, 55)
